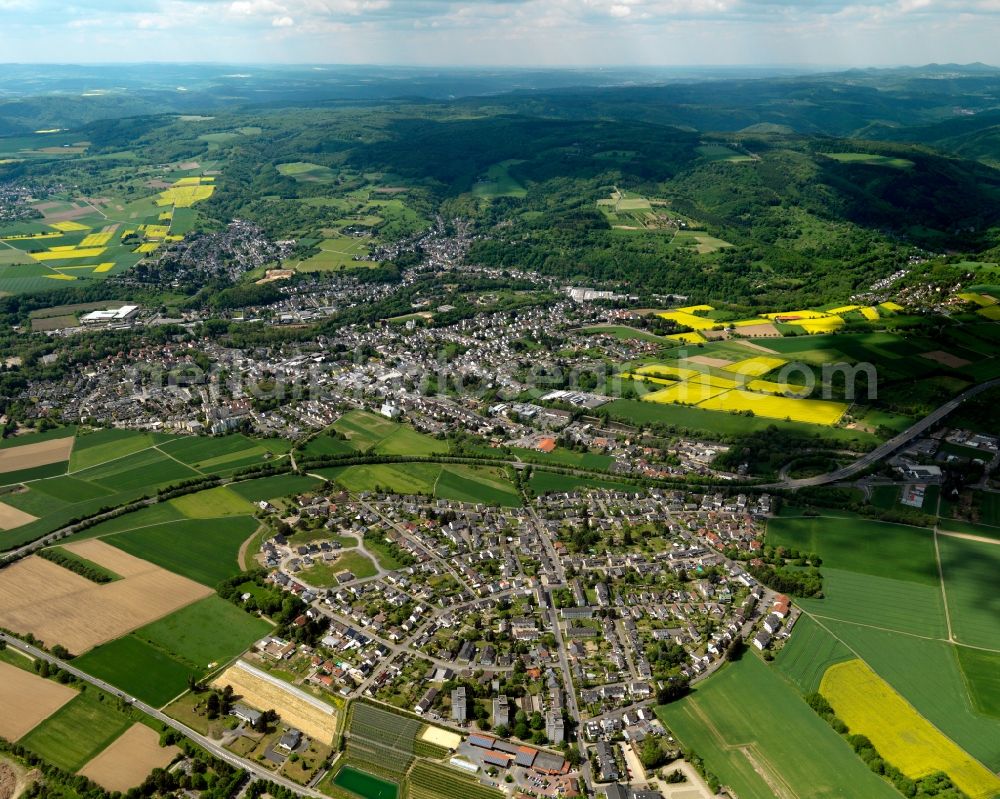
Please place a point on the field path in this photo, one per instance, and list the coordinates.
(982, 539)
(944, 591)
(241, 558)
(167, 454)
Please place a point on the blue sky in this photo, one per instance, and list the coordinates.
(503, 32)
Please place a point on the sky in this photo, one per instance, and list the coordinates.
(503, 32)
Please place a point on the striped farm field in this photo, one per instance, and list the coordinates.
(825, 412)
(871, 707)
(755, 367)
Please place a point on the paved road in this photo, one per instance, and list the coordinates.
(889, 446)
(204, 742)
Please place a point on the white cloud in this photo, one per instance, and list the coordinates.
(282, 22)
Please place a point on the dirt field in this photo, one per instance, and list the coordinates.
(61, 607)
(758, 330)
(296, 708)
(708, 360)
(27, 700)
(117, 560)
(945, 358)
(441, 737)
(11, 517)
(129, 759)
(28, 456)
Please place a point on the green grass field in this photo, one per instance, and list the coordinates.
(746, 719)
(971, 570)
(871, 159)
(141, 470)
(76, 732)
(212, 503)
(281, 485)
(366, 431)
(542, 482)
(456, 482)
(982, 675)
(210, 631)
(861, 545)
(324, 575)
(498, 182)
(902, 605)
(90, 449)
(808, 654)
(139, 669)
(203, 549)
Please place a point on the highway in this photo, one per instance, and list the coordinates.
(889, 446)
(255, 770)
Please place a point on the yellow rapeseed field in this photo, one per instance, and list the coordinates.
(895, 307)
(666, 370)
(687, 393)
(104, 267)
(687, 338)
(870, 313)
(756, 366)
(97, 239)
(991, 312)
(69, 226)
(156, 231)
(148, 247)
(185, 196)
(59, 255)
(774, 407)
(869, 706)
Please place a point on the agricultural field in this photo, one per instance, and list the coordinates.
(809, 653)
(720, 720)
(869, 706)
(880, 549)
(307, 172)
(78, 731)
(27, 700)
(928, 673)
(901, 605)
(258, 689)
(204, 550)
(155, 661)
(59, 606)
(970, 571)
(337, 253)
(381, 741)
(268, 488)
(212, 503)
(870, 159)
(33, 454)
(129, 759)
(368, 432)
(100, 446)
(435, 781)
(498, 182)
(460, 483)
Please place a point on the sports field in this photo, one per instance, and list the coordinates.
(869, 706)
(365, 785)
(741, 722)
